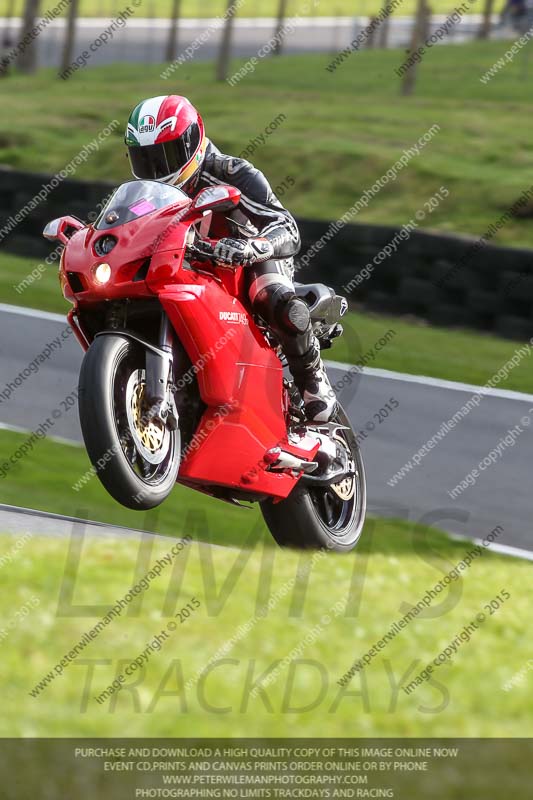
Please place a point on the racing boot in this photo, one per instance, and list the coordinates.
(289, 318)
(311, 378)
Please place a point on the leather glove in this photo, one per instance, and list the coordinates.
(243, 252)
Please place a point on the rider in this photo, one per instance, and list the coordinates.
(167, 142)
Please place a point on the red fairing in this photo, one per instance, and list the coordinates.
(136, 242)
(239, 375)
(240, 380)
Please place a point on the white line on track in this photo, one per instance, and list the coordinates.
(500, 549)
(506, 394)
(57, 439)
(32, 312)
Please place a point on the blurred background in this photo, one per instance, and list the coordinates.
(399, 134)
(162, 28)
(325, 97)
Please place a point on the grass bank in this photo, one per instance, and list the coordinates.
(336, 132)
(249, 8)
(324, 614)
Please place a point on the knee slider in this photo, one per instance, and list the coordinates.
(293, 315)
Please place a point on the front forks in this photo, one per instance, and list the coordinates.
(159, 377)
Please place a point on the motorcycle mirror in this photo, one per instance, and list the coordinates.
(62, 228)
(218, 198)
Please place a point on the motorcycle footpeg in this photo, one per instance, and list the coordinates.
(325, 479)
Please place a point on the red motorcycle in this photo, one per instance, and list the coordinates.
(181, 382)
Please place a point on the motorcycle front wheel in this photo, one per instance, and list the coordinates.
(135, 456)
(323, 517)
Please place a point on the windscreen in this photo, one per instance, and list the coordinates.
(136, 199)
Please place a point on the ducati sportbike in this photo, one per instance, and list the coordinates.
(181, 382)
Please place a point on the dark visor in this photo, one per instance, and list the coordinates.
(158, 161)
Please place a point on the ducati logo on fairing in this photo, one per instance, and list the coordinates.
(233, 316)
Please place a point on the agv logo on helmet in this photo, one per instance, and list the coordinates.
(147, 124)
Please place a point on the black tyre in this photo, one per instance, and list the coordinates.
(136, 459)
(330, 517)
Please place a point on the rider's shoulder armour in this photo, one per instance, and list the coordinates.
(241, 174)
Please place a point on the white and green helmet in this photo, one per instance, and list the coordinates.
(166, 140)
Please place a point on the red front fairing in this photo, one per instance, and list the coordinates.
(137, 242)
(240, 377)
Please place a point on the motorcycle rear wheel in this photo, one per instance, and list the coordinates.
(329, 518)
(136, 458)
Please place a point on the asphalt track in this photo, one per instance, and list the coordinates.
(501, 496)
(20, 521)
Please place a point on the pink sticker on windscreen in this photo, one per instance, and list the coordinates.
(142, 207)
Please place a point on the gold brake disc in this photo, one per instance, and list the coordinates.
(345, 488)
(150, 432)
(151, 437)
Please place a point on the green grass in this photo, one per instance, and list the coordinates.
(250, 8)
(44, 293)
(421, 349)
(227, 581)
(342, 130)
(414, 348)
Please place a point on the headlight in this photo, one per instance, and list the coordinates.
(102, 273)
